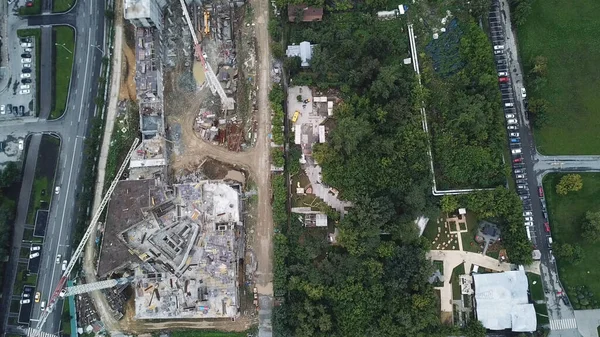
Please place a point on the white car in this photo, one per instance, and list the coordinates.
(528, 213)
(508, 116)
(34, 255)
(26, 75)
(520, 176)
(25, 301)
(25, 86)
(511, 127)
(514, 134)
(529, 224)
(511, 121)
(64, 265)
(56, 191)
(21, 144)
(28, 50)
(26, 65)
(35, 248)
(26, 44)
(499, 47)
(25, 60)
(528, 218)
(523, 93)
(204, 56)
(58, 258)
(43, 305)
(509, 105)
(2, 109)
(502, 73)
(24, 92)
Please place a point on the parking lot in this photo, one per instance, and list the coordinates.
(18, 97)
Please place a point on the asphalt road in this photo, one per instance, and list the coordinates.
(560, 315)
(88, 17)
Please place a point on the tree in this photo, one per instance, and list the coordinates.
(569, 183)
(277, 49)
(474, 329)
(571, 254)
(449, 203)
(537, 111)
(10, 174)
(539, 66)
(520, 11)
(591, 227)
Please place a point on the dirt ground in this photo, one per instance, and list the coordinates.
(127, 89)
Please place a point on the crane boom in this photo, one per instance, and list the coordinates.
(89, 287)
(61, 282)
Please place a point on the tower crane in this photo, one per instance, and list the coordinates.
(60, 287)
(213, 82)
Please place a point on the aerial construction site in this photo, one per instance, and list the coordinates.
(174, 241)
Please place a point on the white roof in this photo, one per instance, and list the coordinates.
(502, 302)
(304, 50)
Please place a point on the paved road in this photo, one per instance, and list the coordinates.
(88, 17)
(562, 317)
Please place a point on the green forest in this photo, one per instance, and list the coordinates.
(9, 177)
(373, 282)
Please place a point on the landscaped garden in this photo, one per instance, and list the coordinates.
(579, 274)
(568, 40)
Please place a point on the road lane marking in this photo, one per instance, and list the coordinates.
(85, 77)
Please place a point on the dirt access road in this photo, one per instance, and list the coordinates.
(257, 160)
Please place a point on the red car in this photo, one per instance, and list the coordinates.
(518, 160)
(541, 191)
(29, 4)
(547, 226)
(503, 79)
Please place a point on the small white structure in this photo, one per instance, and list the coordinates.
(144, 13)
(502, 301)
(304, 50)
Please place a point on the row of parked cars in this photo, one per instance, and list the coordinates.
(26, 59)
(510, 114)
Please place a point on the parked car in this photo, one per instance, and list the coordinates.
(520, 176)
(21, 110)
(509, 104)
(34, 255)
(514, 134)
(498, 52)
(26, 60)
(29, 3)
(527, 208)
(57, 190)
(28, 50)
(508, 116)
(521, 187)
(528, 218)
(2, 107)
(58, 258)
(20, 144)
(25, 86)
(547, 226)
(26, 65)
(541, 191)
(511, 127)
(523, 93)
(25, 80)
(518, 160)
(515, 140)
(25, 39)
(529, 224)
(15, 110)
(502, 73)
(35, 248)
(26, 71)
(549, 242)
(503, 79)
(499, 47)
(64, 265)
(511, 121)
(518, 171)
(565, 300)
(24, 92)
(26, 76)
(545, 214)
(43, 305)
(521, 181)
(524, 197)
(543, 204)
(25, 301)
(26, 55)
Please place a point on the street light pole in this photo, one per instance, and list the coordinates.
(63, 45)
(98, 47)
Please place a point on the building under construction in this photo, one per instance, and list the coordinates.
(183, 247)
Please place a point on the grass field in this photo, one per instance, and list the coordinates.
(63, 65)
(537, 292)
(41, 193)
(37, 37)
(456, 272)
(62, 5)
(566, 214)
(568, 39)
(542, 314)
(33, 10)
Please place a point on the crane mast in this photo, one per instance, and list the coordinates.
(63, 279)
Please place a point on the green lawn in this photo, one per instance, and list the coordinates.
(537, 292)
(458, 270)
(37, 37)
(23, 280)
(568, 38)
(566, 214)
(63, 65)
(40, 184)
(62, 5)
(199, 333)
(542, 314)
